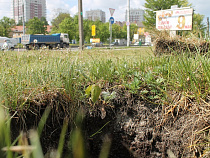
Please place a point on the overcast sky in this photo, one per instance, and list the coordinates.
(200, 6)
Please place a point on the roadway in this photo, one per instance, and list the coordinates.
(76, 48)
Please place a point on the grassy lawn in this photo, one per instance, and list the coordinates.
(27, 73)
(24, 75)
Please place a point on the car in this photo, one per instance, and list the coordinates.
(114, 43)
(97, 44)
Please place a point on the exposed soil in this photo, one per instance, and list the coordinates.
(136, 127)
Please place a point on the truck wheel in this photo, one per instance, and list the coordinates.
(27, 48)
(36, 47)
(43, 46)
(53, 46)
(58, 46)
(12, 48)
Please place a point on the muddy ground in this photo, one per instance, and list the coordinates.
(135, 126)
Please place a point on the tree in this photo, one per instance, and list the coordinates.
(35, 26)
(155, 5)
(60, 16)
(116, 31)
(68, 26)
(198, 26)
(5, 26)
(44, 20)
(103, 31)
(133, 30)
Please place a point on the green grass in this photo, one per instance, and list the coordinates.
(26, 74)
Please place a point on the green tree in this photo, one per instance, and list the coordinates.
(87, 24)
(155, 5)
(116, 31)
(103, 31)
(76, 25)
(68, 26)
(133, 30)
(5, 26)
(44, 20)
(198, 25)
(35, 26)
(59, 18)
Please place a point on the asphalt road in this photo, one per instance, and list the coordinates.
(76, 48)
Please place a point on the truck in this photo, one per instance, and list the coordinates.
(58, 40)
(10, 41)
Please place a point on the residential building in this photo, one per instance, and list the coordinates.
(136, 15)
(95, 15)
(120, 23)
(28, 9)
(17, 31)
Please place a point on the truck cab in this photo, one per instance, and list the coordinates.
(64, 37)
(11, 45)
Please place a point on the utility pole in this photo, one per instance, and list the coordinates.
(128, 24)
(110, 29)
(207, 27)
(23, 19)
(81, 34)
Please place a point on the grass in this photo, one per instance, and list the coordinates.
(26, 74)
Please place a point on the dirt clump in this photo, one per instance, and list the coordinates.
(135, 126)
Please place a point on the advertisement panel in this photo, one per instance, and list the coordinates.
(176, 19)
(94, 40)
(93, 30)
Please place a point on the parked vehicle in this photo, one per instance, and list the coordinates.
(59, 40)
(114, 44)
(97, 44)
(10, 42)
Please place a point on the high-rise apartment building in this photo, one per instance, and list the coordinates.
(28, 9)
(136, 15)
(95, 15)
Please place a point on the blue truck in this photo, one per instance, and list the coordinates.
(59, 40)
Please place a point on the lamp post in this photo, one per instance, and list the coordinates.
(23, 18)
(128, 24)
(208, 28)
(80, 16)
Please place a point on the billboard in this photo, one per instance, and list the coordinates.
(94, 40)
(174, 19)
(93, 30)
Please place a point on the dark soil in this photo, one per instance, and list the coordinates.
(135, 126)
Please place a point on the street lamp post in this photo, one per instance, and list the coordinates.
(23, 18)
(81, 34)
(128, 24)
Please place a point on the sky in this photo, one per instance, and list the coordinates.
(120, 6)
